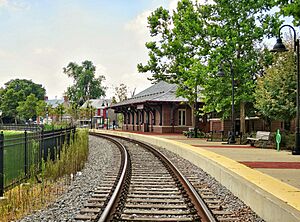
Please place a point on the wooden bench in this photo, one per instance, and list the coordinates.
(260, 136)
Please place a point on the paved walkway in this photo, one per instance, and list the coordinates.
(281, 165)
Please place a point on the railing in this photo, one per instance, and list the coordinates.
(21, 154)
(21, 127)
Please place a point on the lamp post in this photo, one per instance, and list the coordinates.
(222, 74)
(1, 116)
(90, 107)
(106, 110)
(196, 110)
(91, 113)
(280, 47)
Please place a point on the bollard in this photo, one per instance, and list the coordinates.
(278, 140)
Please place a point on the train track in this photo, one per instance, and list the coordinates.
(148, 187)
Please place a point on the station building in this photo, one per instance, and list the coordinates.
(157, 109)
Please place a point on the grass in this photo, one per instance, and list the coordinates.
(11, 132)
(14, 158)
(54, 178)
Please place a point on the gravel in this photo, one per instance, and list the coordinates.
(230, 201)
(101, 160)
(66, 207)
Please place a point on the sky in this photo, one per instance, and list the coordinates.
(40, 37)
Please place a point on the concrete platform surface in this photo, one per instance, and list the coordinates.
(264, 179)
(281, 165)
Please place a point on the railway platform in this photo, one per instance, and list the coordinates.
(266, 180)
(281, 165)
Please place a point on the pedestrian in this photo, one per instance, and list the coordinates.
(114, 124)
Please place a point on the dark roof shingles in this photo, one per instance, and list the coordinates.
(160, 92)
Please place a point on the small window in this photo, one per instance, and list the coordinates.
(181, 117)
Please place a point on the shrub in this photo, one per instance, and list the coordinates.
(42, 189)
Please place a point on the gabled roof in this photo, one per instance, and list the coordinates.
(54, 102)
(160, 92)
(97, 103)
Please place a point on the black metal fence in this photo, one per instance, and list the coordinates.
(21, 154)
(21, 127)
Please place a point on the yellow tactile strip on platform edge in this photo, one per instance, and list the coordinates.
(288, 194)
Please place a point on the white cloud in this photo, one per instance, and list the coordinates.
(3, 2)
(139, 27)
(101, 70)
(15, 4)
(173, 5)
(43, 51)
(5, 54)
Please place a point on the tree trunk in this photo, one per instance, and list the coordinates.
(242, 118)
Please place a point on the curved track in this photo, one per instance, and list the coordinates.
(148, 188)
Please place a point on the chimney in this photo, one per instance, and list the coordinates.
(66, 99)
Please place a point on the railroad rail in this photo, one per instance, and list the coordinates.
(105, 197)
(148, 187)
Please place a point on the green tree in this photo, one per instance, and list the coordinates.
(178, 52)
(41, 108)
(86, 86)
(275, 94)
(16, 91)
(73, 110)
(28, 109)
(189, 45)
(290, 8)
(236, 28)
(59, 111)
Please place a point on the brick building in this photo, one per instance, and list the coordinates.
(157, 109)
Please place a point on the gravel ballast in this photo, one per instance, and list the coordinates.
(230, 201)
(68, 205)
(101, 159)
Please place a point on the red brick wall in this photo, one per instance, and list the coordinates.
(166, 112)
(276, 125)
(216, 125)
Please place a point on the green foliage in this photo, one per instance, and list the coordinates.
(72, 157)
(27, 108)
(287, 140)
(276, 91)
(189, 44)
(40, 191)
(16, 91)
(177, 54)
(86, 85)
(73, 110)
(290, 8)
(59, 111)
(236, 28)
(41, 108)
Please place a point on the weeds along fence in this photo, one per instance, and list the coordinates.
(21, 154)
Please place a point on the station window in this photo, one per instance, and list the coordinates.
(181, 117)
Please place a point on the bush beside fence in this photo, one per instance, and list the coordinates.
(21, 155)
